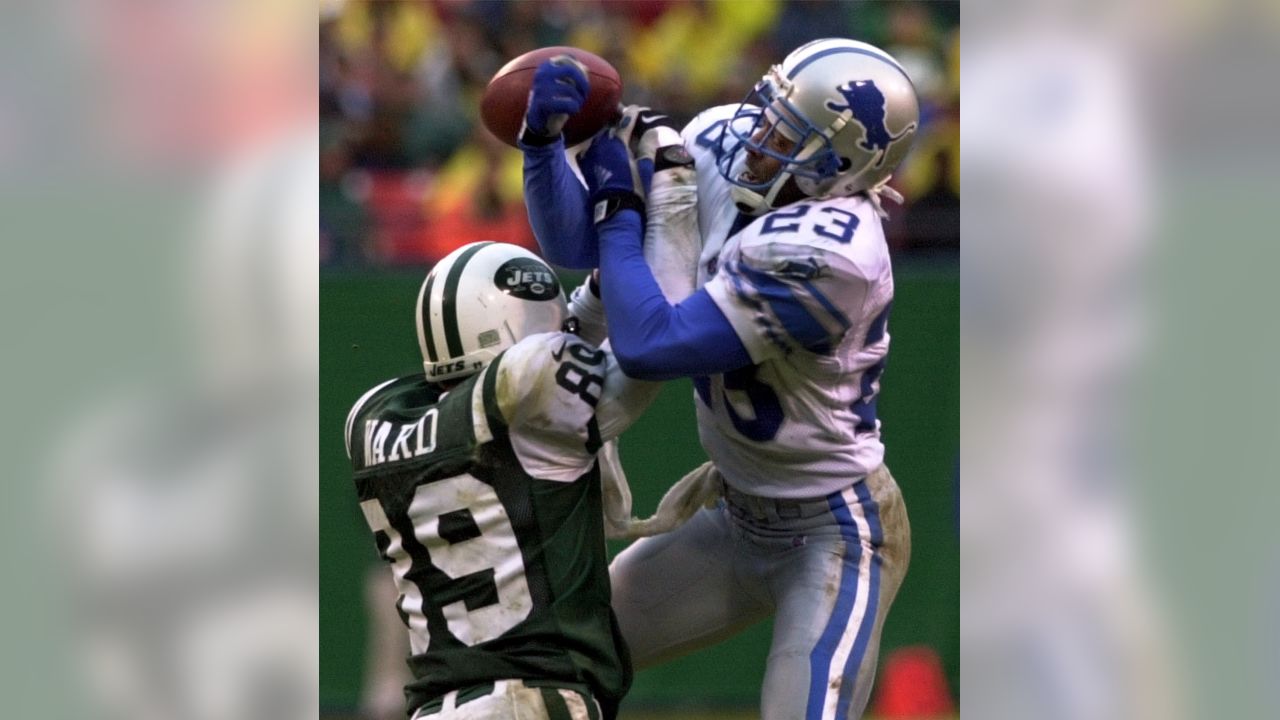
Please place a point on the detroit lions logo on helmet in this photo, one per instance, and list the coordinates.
(866, 102)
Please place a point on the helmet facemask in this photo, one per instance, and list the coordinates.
(849, 113)
(763, 115)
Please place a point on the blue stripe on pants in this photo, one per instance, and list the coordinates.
(872, 513)
(820, 658)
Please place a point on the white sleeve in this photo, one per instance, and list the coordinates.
(624, 399)
(586, 306)
(672, 243)
(562, 399)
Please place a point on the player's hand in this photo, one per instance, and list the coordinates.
(611, 175)
(560, 87)
(645, 130)
(648, 134)
(607, 166)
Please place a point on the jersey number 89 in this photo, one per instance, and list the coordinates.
(468, 535)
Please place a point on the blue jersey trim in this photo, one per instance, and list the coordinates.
(875, 333)
(827, 305)
(795, 317)
(865, 406)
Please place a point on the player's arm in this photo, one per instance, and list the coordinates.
(386, 672)
(564, 398)
(586, 306)
(672, 243)
(778, 298)
(652, 339)
(556, 201)
(562, 382)
(768, 304)
(623, 399)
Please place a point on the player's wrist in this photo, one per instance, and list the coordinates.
(609, 203)
(531, 137)
(671, 156)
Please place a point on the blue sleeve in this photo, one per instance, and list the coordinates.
(557, 207)
(652, 339)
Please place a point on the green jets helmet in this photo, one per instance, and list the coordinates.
(481, 299)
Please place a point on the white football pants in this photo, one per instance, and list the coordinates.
(827, 569)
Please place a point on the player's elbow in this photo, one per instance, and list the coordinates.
(642, 364)
(633, 363)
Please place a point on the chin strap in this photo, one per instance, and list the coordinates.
(877, 195)
(752, 202)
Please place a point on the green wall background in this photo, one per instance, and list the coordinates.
(367, 335)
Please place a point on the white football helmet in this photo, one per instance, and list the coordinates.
(850, 109)
(480, 300)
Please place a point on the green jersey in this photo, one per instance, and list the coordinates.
(486, 502)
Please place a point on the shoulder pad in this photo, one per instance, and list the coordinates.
(359, 406)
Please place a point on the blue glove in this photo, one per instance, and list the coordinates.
(613, 181)
(560, 87)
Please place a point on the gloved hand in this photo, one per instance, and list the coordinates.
(645, 130)
(613, 181)
(559, 89)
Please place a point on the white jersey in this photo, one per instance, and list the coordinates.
(560, 397)
(807, 288)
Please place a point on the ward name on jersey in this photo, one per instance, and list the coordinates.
(807, 289)
(486, 502)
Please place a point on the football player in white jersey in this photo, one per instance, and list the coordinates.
(785, 341)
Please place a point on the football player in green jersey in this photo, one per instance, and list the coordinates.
(481, 483)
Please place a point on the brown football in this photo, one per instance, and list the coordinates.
(505, 97)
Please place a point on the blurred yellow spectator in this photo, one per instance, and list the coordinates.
(407, 30)
(482, 165)
(697, 43)
(918, 173)
(401, 81)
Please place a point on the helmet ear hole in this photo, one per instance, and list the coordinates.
(845, 164)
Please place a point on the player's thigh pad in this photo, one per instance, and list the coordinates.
(680, 591)
(833, 593)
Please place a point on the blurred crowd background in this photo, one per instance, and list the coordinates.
(125, 124)
(408, 172)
